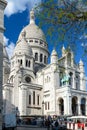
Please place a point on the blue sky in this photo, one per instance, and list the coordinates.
(16, 17)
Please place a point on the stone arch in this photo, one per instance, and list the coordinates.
(83, 106)
(61, 106)
(74, 105)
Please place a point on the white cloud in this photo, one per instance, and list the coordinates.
(15, 6)
(6, 40)
(9, 46)
(10, 49)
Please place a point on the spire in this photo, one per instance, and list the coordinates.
(32, 17)
(63, 47)
(81, 62)
(63, 51)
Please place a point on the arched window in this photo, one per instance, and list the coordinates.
(45, 59)
(26, 62)
(38, 98)
(29, 63)
(71, 78)
(33, 97)
(20, 62)
(41, 57)
(29, 99)
(36, 56)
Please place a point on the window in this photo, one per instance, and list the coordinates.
(33, 97)
(36, 56)
(48, 105)
(29, 63)
(71, 78)
(41, 57)
(28, 79)
(45, 59)
(36, 41)
(30, 40)
(29, 99)
(20, 62)
(26, 62)
(37, 99)
(41, 42)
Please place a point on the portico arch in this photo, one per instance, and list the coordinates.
(74, 105)
(61, 106)
(83, 106)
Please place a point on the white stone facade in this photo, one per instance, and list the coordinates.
(35, 87)
(2, 8)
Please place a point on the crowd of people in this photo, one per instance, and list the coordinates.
(54, 124)
(48, 122)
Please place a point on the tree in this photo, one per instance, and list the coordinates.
(64, 19)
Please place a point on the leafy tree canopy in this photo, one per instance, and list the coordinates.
(66, 20)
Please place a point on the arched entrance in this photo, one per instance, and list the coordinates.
(83, 103)
(61, 106)
(74, 106)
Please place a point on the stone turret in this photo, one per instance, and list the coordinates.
(81, 66)
(63, 51)
(54, 57)
(82, 76)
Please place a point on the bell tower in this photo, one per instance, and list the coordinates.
(3, 4)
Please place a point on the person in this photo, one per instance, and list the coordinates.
(47, 123)
(56, 125)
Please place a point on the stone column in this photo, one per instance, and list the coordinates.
(79, 106)
(22, 100)
(86, 108)
(73, 81)
(70, 105)
(65, 105)
(2, 8)
(24, 96)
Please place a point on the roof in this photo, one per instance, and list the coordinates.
(23, 47)
(32, 30)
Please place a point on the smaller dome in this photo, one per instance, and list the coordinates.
(54, 53)
(22, 46)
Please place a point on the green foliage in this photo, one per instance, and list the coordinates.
(66, 22)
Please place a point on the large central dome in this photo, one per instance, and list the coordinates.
(32, 30)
